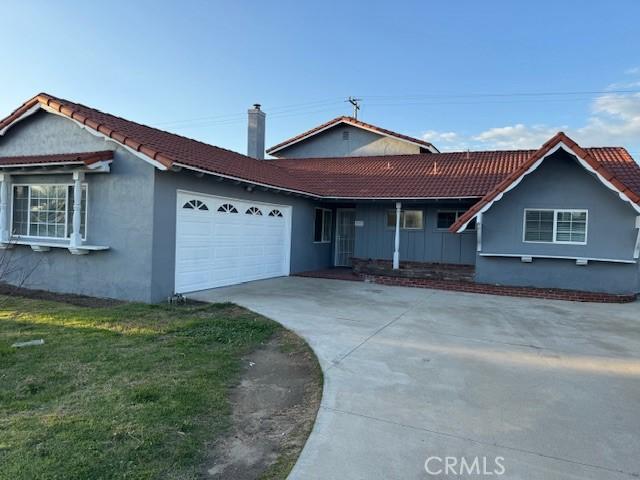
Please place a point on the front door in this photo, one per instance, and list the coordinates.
(345, 236)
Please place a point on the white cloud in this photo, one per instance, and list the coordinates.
(614, 120)
(622, 106)
(435, 136)
(624, 86)
(632, 71)
(517, 136)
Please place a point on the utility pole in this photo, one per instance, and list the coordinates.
(356, 105)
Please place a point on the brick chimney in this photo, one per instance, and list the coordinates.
(255, 132)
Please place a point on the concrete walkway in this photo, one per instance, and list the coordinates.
(552, 387)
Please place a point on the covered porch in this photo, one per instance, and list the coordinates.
(408, 237)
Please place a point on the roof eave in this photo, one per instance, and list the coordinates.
(558, 141)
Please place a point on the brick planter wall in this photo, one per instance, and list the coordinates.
(528, 292)
(416, 270)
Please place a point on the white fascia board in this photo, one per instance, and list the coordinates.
(393, 199)
(103, 166)
(26, 114)
(97, 167)
(96, 133)
(533, 167)
(250, 182)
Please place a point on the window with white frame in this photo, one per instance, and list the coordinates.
(46, 211)
(555, 226)
(446, 218)
(409, 219)
(322, 226)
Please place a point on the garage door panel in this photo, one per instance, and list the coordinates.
(217, 248)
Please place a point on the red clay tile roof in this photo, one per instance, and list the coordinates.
(440, 175)
(614, 164)
(432, 175)
(350, 121)
(168, 149)
(88, 158)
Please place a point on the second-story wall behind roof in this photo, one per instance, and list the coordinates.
(347, 141)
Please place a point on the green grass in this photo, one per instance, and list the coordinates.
(132, 391)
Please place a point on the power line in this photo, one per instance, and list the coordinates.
(511, 94)
(311, 107)
(272, 110)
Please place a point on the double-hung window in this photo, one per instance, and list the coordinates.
(322, 226)
(409, 219)
(46, 211)
(555, 226)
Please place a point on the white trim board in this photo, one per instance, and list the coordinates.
(26, 114)
(560, 257)
(533, 167)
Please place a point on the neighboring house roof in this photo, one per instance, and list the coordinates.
(614, 167)
(86, 158)
(442, 175)
(439, 175)
(355, 123)
(165, 150)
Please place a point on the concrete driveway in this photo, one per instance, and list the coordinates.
(411, 374)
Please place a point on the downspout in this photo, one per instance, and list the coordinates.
(396, 249)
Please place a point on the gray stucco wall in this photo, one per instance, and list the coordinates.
(375, 240)
(560, 182)
(119, 215)
(305, 254)
(330, 143)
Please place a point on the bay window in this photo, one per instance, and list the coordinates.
(46, 211)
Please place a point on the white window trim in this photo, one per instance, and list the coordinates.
(402, 227)
(458, 213)
(68, 212)
(555, 225)
(324, 227)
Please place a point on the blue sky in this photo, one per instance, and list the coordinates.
(451, 72)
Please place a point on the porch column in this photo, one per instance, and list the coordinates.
(5, 229)
(76, 236)
(396, 249)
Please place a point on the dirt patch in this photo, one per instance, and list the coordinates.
(274, 408)
(78, 300)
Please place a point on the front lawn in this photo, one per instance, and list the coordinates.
(129, 391)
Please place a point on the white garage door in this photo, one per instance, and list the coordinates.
(223, 241)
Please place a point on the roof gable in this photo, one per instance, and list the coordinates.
(606, 175)
(164, 150)
(354, 123)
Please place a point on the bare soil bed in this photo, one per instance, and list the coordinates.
(274, 408)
